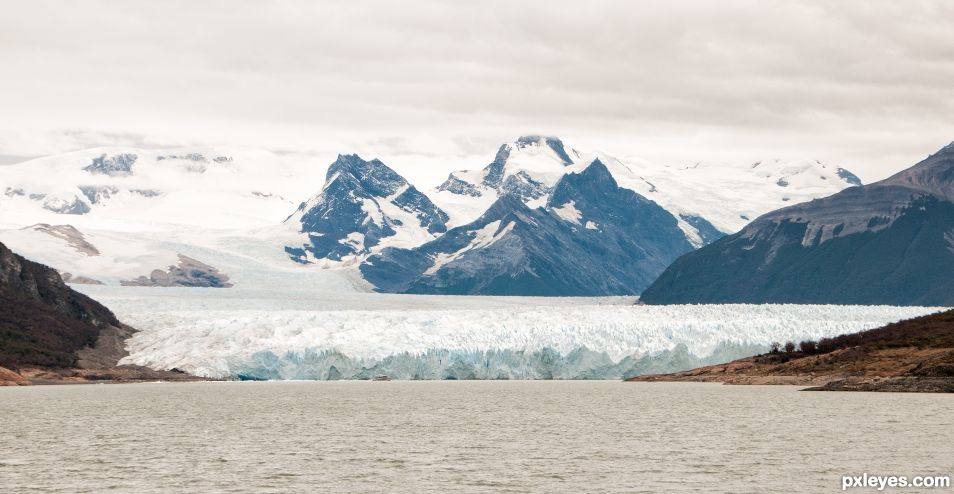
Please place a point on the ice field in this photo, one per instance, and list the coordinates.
(332, 334)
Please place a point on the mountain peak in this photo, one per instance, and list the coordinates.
(554, 143)
(348, 157)
(351, 163)
(376, 177)
(344, 163)
(595, 178)
(505, 204)
(599, 170)
(361, 204)
(934, 175)
(530, 139)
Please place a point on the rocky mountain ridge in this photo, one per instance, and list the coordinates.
(889, 242)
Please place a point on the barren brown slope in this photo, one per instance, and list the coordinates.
(912, 355)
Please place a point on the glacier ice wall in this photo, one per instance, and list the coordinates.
(560, 342)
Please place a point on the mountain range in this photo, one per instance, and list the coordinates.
(592, 237)
(541, 218)
(890, 242)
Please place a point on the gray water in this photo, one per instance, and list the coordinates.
(436, 436)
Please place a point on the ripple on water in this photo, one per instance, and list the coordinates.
(463, 436)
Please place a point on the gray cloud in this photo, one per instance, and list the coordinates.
(866, 84)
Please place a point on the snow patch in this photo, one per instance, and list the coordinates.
(490, 233)
(569, 212)
(354, 238)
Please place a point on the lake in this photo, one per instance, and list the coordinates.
(480, 436)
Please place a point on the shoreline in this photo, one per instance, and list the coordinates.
(914, 355)
(43, 376)
(816, 373)
(117, 376)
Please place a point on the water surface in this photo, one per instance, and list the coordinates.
(435, 436)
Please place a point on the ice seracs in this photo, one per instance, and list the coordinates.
(488, 341)
(187, 273)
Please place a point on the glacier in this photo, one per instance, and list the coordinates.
(459, 338)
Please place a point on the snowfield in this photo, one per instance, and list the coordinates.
(141, 208)
(439, 337)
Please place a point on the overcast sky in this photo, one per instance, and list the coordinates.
(868, 85)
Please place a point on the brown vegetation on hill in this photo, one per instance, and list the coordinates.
(912, 355)
(52, 334)
(42, 321)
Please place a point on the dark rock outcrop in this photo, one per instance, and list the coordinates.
(188, 273)
(98, 194)
(79, 280)
(118, 165)
(70, 205)
(68, 233)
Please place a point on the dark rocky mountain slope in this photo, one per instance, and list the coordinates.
(51, 334)
(592, 238)
(42, 321)
(891, 242)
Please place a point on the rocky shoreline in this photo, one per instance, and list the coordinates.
(740, 373)
(30, 376)
(891, 384)
(94, 364)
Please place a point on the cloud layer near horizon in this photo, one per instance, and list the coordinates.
(866, 84)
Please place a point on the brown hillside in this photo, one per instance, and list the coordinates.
(43, 322)
(912, 355)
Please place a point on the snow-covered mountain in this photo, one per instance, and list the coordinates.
(124, 189)
(112, 215)
(729, 196)
(526, 168)
(117, 215)
(725, 196)
(362, 204)
(590, 238)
